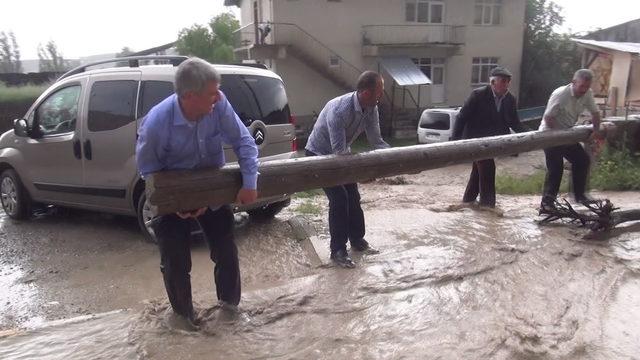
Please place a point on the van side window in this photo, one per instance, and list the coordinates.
(151, 94)
(59, 112)
(256, 97)
(112, 104)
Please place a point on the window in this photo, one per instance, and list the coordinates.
(433, 68)
(488, 12)
(59, 112)
(424, 11)
(436, 121)
(334, 60)
(152, 93)
(480, 69)
(112, 104)
(256, 98)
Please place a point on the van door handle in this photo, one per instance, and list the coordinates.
(76, 149)
(87, 149)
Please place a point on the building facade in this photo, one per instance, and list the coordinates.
(320, 46)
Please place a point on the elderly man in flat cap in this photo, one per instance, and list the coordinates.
(489, 111)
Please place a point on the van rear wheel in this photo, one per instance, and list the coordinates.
(269, 211)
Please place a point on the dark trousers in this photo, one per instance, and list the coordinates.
(482, 181)
(346, 218)
(579, 160)
(173, 235)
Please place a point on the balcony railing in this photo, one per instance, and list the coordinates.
(412, 34)
(300, 42)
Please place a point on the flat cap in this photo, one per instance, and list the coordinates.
(500, 71)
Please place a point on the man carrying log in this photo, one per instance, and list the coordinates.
(340, 123)
(489, 111)
(187, 131)
(565, 105)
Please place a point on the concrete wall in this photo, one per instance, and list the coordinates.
(338, 24)
(620, 75)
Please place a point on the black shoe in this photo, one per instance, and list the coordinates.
(342, 259)
(363, 246)
(547, 208)
(585, 200)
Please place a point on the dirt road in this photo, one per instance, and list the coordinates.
(447, 285)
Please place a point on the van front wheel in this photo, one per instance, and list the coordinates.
(15, 198)
(145, 216)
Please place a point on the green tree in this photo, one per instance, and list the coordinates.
(126, 51)
(549, 58)
(9, 54)
(51, 59)
(213, 43)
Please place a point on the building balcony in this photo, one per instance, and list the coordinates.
(413, 35)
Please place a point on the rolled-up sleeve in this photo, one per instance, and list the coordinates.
(150, 147)
(372, 130)
(236, 134)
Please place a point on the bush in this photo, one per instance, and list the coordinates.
(617, 169)
(21, 94)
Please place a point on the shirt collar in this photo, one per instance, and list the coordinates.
(356, 105)
(495, 96)
(178, 116)
(571, 89)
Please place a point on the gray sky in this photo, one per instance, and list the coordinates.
(586, 15)
(82, 28)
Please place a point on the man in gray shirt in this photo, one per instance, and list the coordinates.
(339, 124)
(565, 105)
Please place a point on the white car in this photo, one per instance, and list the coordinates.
(436, 125)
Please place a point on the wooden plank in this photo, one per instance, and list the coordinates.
(171, 191)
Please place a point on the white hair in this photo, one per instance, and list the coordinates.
(194, 74)
(583, 74)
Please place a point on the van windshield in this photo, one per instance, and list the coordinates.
(435, 121)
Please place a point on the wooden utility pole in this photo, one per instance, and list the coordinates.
(171, 191)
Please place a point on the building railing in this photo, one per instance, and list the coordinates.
(413, 34)
(301, 41)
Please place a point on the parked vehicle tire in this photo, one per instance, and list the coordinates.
(269, 211)
(16, 201)
(144, 217)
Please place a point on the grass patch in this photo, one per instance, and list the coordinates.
(525, 185)
(12, 94)
(309, 208)
(616, 170)
(308, 194)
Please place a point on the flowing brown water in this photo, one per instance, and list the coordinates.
(461, 285)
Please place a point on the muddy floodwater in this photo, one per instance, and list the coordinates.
(447, 285)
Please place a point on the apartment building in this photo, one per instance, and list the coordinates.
(431, 52)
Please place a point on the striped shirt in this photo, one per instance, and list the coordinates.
(340, 123)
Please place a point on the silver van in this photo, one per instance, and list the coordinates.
(75, 147)
(436, 125)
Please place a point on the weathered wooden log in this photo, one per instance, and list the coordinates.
(171, 191)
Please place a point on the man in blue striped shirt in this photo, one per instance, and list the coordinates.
(339, 124)
(186, 131)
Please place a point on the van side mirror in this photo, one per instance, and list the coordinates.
(20, 127)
